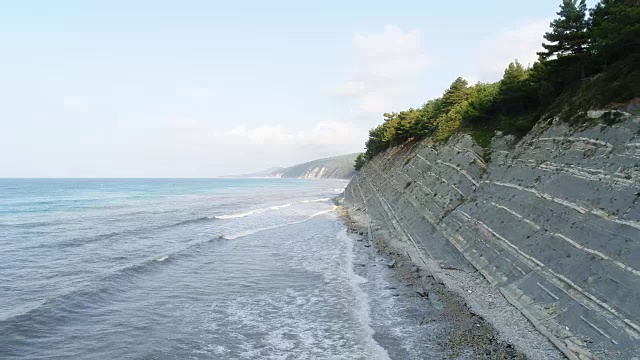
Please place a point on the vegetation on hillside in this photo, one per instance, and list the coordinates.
(591, 58)
(360, 161)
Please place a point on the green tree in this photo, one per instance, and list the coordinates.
(455, 94)
(361, 159)
(406, 126)
(450, 123)
(568, 35)
(546, 82)
(575, 47)
(615, 28)
(390, 128)
(426, 122)
(376, 143)
(477, 110)
(514, 75)
(515, 90)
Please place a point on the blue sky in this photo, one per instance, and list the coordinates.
(205, 88)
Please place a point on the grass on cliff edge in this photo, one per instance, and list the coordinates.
(482, 136)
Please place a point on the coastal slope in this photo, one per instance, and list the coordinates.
(551, 220)
(337, 167)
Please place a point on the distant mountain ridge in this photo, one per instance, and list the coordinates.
(337, 167)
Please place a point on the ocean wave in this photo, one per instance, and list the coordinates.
(257, 230)
(316, 200)
(190, 221)
(33, 224)
(249, 213)
(84, 296)
(92, 294)
(234, 216)
(279, 207)
(80, 241)
(100, 290)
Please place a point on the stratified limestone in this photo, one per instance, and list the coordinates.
(553, 221)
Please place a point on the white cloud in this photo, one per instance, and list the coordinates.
(494, 54)
(196, 95)
(75, 103)
(378, 102)
(332, 137)
(385, 68)
(349, 88)
(186, 123)
(390, 55)
(323, 133)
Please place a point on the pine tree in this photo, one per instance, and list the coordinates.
(360, 161)
(426, 122)
(514, 75)
(568, 35)
(457, 92)
(514, 87)
(405, 126)
(376, 143)
(615, 28)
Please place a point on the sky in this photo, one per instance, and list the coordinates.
(197, 88)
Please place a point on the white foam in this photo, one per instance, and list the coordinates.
(320, 213)
(377, 351)
(360, 280)
(316, 200)
(279, 207)
(249, 213)
(162, 258)
(234, 216)
(253, 231)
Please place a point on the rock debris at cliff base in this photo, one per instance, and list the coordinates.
(551, 222)
(468, 335)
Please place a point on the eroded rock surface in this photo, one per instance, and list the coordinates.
(553, 221)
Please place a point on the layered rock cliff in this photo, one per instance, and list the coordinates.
(552, 220)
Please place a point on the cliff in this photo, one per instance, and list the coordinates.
(551, 220)
(337, 167)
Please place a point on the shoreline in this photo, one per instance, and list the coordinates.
(480, 322)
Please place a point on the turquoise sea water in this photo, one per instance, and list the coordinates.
(181, 269)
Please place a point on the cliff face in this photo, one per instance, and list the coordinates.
(553, 221)
(337, 167)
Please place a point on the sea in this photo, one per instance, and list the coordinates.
(193, 269)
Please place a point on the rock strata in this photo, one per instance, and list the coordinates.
(551, 221)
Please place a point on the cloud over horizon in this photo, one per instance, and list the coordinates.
(320, 133)
(212, 92)
(494, 54)
(384, 70)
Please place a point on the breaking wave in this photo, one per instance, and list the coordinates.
(253, 231)
(249, 213)
(316, 200)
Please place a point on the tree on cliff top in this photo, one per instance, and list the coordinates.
(361, 159)
(576, 47)
(615, 28)
(376, 142)
(516, 92)
(457, 92)
(568, 35)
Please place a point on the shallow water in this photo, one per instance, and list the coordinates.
(165, 268)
